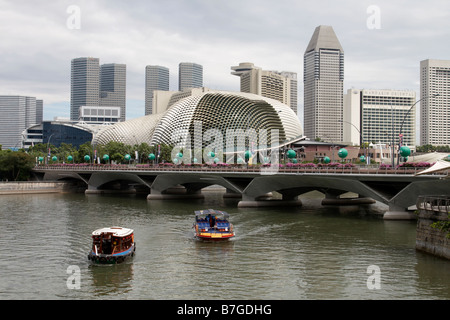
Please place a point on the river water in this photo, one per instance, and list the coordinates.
(312, 252)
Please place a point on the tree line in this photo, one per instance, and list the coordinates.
(116, 151)
(430, 148)
(17, 165)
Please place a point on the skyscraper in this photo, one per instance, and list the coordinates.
(94, 85)
(16, 114)
(190, 75)
(281, 86)
(113, 87)
(435, 102)
(323, 80)
(85, 82)
(156, 78)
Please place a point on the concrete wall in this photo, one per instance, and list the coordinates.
(430, 239)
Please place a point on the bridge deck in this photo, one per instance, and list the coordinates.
(368, 170)
(398, 187)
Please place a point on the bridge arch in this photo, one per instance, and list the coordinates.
(192, 183)
(292, 186)
(114, 180)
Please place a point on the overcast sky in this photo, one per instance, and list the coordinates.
(383, 41)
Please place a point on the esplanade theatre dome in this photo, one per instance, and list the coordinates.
(216, 111)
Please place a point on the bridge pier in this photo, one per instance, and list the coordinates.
(398, 213)
(249, 202)
(231, 194)
(175, 193)
(335, 200)
(117, 188)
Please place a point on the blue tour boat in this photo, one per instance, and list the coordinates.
(213, 224)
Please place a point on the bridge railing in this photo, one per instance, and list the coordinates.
(237, 169)
(433, 203)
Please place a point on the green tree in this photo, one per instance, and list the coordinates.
(85, 149)
(15, 165)
(115, 150)
(65, 150)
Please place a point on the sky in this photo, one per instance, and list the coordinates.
(383, 41)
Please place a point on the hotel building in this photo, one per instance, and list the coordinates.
(281, 86)
(377, 116)
(435, 102)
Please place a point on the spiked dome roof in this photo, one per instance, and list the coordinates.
(219, 110)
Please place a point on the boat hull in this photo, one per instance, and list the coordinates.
(215, 236)
(112, 258)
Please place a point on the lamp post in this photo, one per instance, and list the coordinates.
(48, 144)
(400, 135)
(362, 139)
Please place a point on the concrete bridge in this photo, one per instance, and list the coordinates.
(398, 188)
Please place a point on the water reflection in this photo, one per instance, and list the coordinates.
(111, 279)
(312, 252)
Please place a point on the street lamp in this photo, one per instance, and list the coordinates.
(400, 136)
(48, 144)
(362, 139)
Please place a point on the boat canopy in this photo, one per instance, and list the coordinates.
(211, 212)
(115, 231)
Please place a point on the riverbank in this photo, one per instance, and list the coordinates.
(429, 238)
(25, 187)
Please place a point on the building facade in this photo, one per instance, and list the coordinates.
(100, 114)
(190, 75)
(95, 85)
(380, 117)
(281, 86)
(323, 80)
(156, 78)
(225, 122)
(435, 102)
(113, 87)
(56, 132)
(16, 114)
(85, 84)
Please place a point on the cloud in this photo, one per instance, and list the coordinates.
(37, 46)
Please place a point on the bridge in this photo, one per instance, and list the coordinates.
(398, 188)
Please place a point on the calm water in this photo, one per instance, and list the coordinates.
(307, 253)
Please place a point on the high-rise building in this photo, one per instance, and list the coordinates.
(113, 87)
(156, 78)
(190, 75)
(94, 85)
(323, 80)
(85, 84)
(377, 116)
(434, 102)
(281, 86)
(16, 114)
(39, 111)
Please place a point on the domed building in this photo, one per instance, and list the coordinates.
(220, 121)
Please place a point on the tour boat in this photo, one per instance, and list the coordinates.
(212, 224)
(112, 245)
